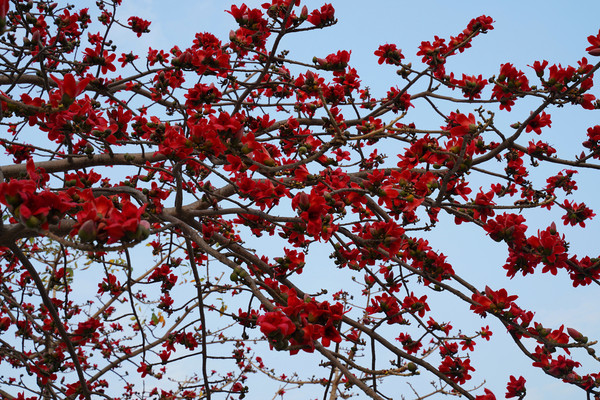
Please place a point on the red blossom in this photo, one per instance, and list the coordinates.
(334, 62)
(509, 85)
(576, 214)
(471, 86)
(538, 122)
(389, 54)
(322, 17)
(594, 49)
(69, 89)
(515, 387)
(456, 369)
(224, 143)
(100, 57)
(461, 124)
(139, 25)
(487, 396)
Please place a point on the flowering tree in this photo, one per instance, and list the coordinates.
(164, 217)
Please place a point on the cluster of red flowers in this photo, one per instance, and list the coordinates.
(139, 25)
(510, 84)
(334, 179)
(435, 53)
(322, 17)
(104, 221)
(35, 209)
(299, 322)
(390, 54)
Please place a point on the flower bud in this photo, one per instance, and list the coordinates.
(594, 52)
(143, 230)
(576, 335)
(88, 231)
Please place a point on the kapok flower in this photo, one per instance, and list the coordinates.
(69, 88)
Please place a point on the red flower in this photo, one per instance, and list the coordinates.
(251, 19)
(69, 88)
(323, 17)
(462, 125)
(409, 344)
(400, 102)
(237, 387)
(416, 305)
(486, 333)
(456, 369)
(471, 86)
(139, 25)
(202, 94)
(515, 387)
(539, 67)
(487, 396)
(434, 54)
(273, 323)
(86, 331)
(576, 213)
(467, 343)
(4, 323)
(388, 305)
(144, 369)
(330, 334)
(493, 301)
(127, 58)
(509, 83)
(334, 62)
(100, 57)
(594, 49)
(507, 227)
(164, 356)
(483, 22)
(389, 54)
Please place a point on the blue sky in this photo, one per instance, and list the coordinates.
(525, 31)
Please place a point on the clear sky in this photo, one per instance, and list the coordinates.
(525, 31)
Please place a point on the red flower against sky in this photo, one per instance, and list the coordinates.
(594, 49)
(334, 62)
(509, 84)
(539, 68)
(69, 88)
(538, 122)
(460, 124)
(248, 18)
(492, 300)
(223, 143)
(323, 16)
(487, 396)
(273, 323)
(515, 387)
(483, 23)
(100, 220)
(388, 305)
(389, 54)
(456, 369)
(400, 101)
(576, 214)
(416, 305)
(471, 86)
(139, 25)
(100, 57)
(411, 346)
(507, 227)
(434, 55)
